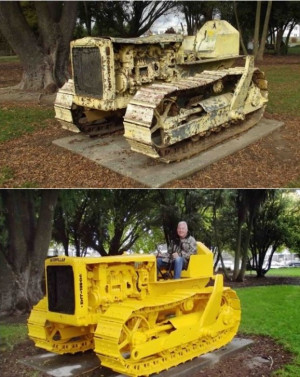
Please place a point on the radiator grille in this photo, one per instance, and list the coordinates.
(60, 284)
(87, 67)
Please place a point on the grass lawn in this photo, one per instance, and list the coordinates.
(17, 121)
(284, 88)
(9, 59)
(293, 271)
(295, 50)
(274, 311)
(12, 334)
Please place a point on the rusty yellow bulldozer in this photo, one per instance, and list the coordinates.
(174, 96)
(136, 323)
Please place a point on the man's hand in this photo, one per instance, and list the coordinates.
(175, 255)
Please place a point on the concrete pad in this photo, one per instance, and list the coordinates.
(113, 152)
(63, 365)
(208, 360)
(84, 363)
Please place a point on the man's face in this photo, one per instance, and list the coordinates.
(182, 230)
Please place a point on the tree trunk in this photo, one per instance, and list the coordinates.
(243, 268)
(87, 18)
(279, 41)
(245, 52)
(256, 28)
(287, 41)
(44, 57)
(29, 216)
(237, 254)
(217, 240)
(261, 49)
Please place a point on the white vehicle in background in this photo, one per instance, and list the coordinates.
(228, 264)
(275, 264)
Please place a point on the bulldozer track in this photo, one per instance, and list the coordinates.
(121, 330)
(45, 336)
(152, 129)
(174, 121)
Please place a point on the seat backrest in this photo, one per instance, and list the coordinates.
(200, 264)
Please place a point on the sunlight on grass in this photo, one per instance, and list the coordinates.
(293, 271)
(274, 311)
(17, 121)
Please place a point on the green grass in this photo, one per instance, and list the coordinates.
(6, 173)
(294, 184)
(17, 121)
(12, 334)
(295, 50)
(274, 311)
(293, 271)
(284, 88)
(9, 59)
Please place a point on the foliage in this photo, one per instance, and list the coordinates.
(17, 121)
(274, 311)
(114, 221)
(123, 19)
(149, 240)
(284, 17)
(196, 13)
(108, 221)
(268, 232)
(276, 224)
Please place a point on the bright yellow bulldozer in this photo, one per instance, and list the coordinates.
(174, 96)
(136, 324)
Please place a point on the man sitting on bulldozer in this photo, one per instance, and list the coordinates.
(179, 252)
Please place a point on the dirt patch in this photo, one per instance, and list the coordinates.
(272, 162)
(10, 74)
(270, 59)
(253, 281)
(34, 161)
(9, 360)
(260, 360)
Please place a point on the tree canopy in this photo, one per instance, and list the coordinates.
(40, 32)
(245, 223)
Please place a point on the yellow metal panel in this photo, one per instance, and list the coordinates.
(133, 322)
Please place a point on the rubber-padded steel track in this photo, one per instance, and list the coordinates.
(203, 107)
(124, 330)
